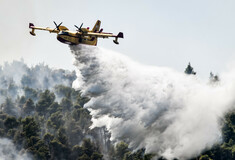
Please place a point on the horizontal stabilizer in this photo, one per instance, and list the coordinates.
(120, 35)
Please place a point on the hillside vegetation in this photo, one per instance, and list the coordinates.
(45, 117)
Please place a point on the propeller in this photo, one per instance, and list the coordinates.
(57, 26)
(79, 28)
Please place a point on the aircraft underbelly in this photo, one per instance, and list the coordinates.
(75, 40)
(68, 39)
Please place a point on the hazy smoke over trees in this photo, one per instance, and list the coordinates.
(17, 78)
(42, 116)
(9, 152)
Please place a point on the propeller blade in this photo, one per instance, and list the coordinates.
(55, 23)
(81, 25)
(79, 28)
(76, 26)
(57, 26)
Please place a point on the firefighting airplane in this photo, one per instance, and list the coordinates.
(80, 36)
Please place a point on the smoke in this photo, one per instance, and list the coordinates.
(38, 76)
(9, 152)
(15, 76)
(167, 112)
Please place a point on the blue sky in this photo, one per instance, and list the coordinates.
(165, 33)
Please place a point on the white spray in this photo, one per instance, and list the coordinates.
(160, 109)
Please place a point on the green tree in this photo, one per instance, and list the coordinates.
(19, 138)
(28, 107)
(189, 70)
(45, 100)
(30, 93)
(74, 131)
(41, 150)
(213, 78)
(28, 80)
(138, 155)
(55, 121)
(61, 136)
(84, 157)
(88, 147)
(11, 122)
(54, 107)
(63, 91)
(66, 104)
(12, 89)
(134, 156)
(96, 156)
(38, 148)
(21, 101)
(59, 151)
(76, 152)
(32, 140)
(48, 138)
(30, 127)
(229, 127)
(82, 100)
(11, 133)
(9, 107)
(121, 150)
(83, 117)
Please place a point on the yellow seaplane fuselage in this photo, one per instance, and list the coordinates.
(81, 36)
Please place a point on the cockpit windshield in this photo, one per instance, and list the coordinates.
(63, 33)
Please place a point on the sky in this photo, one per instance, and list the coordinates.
(165, 33)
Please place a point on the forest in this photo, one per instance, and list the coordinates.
(45, 119)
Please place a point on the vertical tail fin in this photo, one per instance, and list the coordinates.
(96, 28)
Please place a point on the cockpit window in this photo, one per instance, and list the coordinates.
(63, 33)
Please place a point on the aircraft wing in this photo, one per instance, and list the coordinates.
(51, 30)
(104, 35)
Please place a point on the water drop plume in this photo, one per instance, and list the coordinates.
(165, 111)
